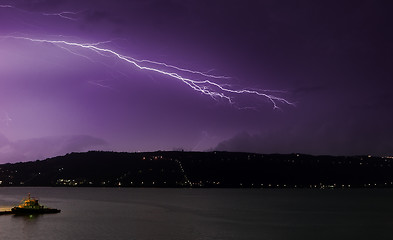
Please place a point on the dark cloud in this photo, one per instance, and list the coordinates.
(39, 5)
(344, 137)
(97, 17)
(3, 140)
(41, 148)
(306, 90)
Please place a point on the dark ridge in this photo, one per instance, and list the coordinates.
(200, 169)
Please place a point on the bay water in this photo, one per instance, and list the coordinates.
(201, 214)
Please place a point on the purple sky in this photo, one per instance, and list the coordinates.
(332, 59)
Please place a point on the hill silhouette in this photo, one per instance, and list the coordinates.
(200, 169)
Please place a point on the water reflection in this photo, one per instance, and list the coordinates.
(5, 208)
(27, 217)
(230, 214)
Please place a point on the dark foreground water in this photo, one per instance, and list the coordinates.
(170, 214)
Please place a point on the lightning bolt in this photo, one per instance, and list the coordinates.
(206, 87)
(178, 68)
(99, 84)
(65, 15)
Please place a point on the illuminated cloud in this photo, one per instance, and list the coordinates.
(219, 68)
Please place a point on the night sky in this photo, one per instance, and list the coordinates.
(286, 76)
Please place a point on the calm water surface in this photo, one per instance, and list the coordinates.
(170, 214)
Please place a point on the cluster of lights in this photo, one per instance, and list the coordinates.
(182, 170)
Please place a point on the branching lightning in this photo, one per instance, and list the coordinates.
(99, 84)
(178, 68)
(207, 86)
(68, 15)
(65, 15)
